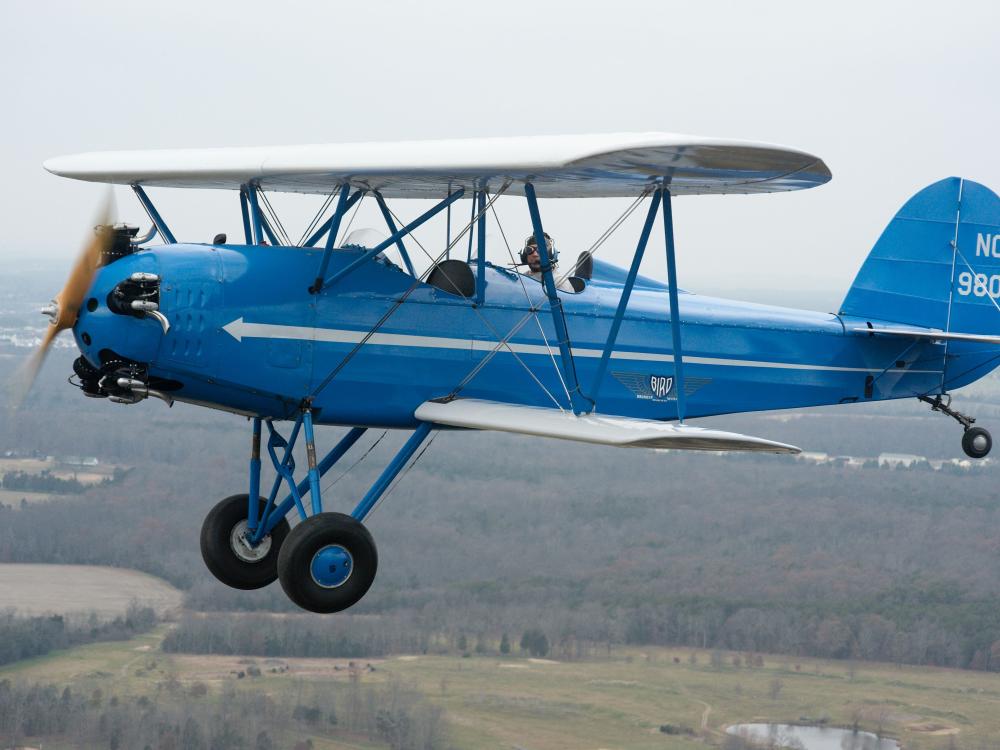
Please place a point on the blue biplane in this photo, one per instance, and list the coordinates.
(335, 332)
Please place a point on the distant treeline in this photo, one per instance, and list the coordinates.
(590, 546)
(698, 623)
(307, 636)
(177, 719)
(345, 637)
(26, 637)
(915, 625)
(45, 481)
(42, 482)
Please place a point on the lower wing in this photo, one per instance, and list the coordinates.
(623, 432)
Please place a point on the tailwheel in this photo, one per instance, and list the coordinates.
(327, 563)
(226, 549)
(976, 442)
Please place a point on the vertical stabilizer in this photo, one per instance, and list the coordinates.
(937, 265)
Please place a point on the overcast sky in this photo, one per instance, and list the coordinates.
(892, 95)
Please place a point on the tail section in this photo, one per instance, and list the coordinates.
(937, 266)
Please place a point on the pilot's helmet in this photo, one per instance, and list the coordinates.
(530, 243)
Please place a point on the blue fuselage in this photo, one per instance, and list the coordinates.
(245, 335)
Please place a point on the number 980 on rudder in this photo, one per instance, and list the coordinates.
(979, 284)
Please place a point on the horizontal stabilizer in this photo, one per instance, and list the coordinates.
(930, 335)
(623, 432)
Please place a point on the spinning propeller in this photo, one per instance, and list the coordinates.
(65, 306)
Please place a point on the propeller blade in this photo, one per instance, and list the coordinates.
(70, 299)
(67, 303)
(24, 378)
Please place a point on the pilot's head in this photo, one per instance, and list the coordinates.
(529, 254)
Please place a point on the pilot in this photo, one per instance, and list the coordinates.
(530, 258)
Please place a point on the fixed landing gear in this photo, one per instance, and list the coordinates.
(227, 549)
(976, 441)
(328, 561)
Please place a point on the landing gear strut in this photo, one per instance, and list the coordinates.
(976, 441)
(329, 560)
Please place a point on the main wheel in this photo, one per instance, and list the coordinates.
(227, 553)
(976, 442)
(327, 563)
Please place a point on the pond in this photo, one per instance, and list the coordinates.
(812, 738)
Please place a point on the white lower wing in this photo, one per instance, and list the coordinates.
(623, 432)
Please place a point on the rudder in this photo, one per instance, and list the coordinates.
(937, 265)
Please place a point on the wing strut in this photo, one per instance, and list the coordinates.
(581, 403)
(245, 212)
(335, 219)
(154, 215)
(675, 318)
(331, 238)
(260, 223)
(480, 203)
(662, 195)
(616, 322)
(393, 230)
(350, 267)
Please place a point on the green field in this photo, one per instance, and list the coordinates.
(616, 702)
(13, 498)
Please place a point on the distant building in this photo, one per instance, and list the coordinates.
(79, 461)
(963, 463)
(906, 460)
(854, 462)
(814, 456)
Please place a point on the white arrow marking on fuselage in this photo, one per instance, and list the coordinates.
(239, 330)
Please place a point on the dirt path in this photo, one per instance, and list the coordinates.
(708, 706)
(129, 663)
(704, 714)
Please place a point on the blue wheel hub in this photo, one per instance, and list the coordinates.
(331, 566)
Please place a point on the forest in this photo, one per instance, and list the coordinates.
(26, 637)
(394, 715)
(493, 534)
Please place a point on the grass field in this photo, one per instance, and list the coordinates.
(83, 474)
(12, 498)
(81, 589)
(616, 702)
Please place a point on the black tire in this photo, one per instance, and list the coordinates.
(222, 558)
(346, 540)
(976, 442)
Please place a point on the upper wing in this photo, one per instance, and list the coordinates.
(623, 432)
(574, 166)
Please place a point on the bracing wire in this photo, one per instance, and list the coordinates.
(396, 305)
(272, 214)
(402, 475)
(350, 468)
(350, 221)
(533, 310)
(492, 328)
(534, 307)
(315, 220)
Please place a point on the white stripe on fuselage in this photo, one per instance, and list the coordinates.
(239, 330)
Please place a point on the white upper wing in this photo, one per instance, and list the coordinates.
(623, 432)
(568, 166)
